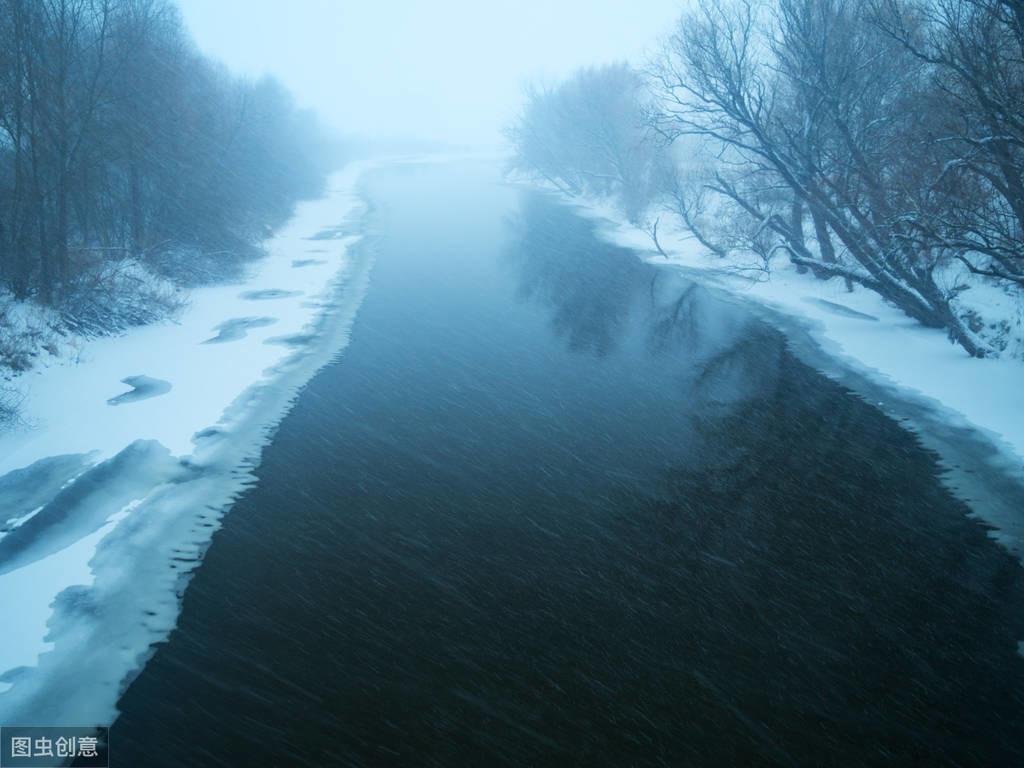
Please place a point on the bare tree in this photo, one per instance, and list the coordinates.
(974, 54)
(118, 140)
(809, 96)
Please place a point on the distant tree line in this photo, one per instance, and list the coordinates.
(120, 141)
(878, 141)
(585, 135)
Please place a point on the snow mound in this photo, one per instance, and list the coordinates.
(142, 388)
(238, 328)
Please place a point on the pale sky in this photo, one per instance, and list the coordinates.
(438, 69)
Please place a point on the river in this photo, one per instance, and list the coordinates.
(557, 506)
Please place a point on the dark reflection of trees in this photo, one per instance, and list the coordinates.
(601, 295)
(805, 585)
(675, 323)
(591, 287)
(826, 592)
(746, 367)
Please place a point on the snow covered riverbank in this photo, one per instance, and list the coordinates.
(878, 342)
(128, 457)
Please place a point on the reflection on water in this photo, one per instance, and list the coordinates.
(601, 297)
(558, 507)
(805, 528)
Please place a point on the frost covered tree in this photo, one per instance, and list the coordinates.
(973, 53)
(123, 149)
(819, 117)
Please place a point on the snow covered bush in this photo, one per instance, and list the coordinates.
(26, 330)
(107, 298)
(116, 295)
(10, 400)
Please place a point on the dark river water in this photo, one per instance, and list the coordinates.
(557, 507)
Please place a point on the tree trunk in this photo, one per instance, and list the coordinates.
(135, 191)
(796, 229)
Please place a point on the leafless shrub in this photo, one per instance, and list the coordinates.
(24, 332)
(117, 295)
(10, 407)
(816, 113)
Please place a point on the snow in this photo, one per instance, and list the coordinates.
(129, 455)
(864, 334)
(66, 404)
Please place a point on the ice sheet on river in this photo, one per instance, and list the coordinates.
(105, 511)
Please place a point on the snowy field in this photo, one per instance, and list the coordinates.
(869, 337)
(128, 456)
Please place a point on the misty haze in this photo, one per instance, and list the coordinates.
(511, 384)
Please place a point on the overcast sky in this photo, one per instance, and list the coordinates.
(439, 69)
